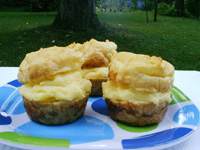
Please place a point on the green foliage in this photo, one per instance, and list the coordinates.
(176, 13)
(99, 3)
(42, 5)
(134, 5)
(30, 5)
(169, 2)
(12, 3)
(167, 10)
(35, 5)
(149, 5)
(163, 9)
(193, 7)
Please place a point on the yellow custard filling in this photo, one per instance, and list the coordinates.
(95, 73)
(115, 91)
(68, 86)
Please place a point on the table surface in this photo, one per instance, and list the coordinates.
(186, 81)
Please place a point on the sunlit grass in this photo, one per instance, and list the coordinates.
(173, 39)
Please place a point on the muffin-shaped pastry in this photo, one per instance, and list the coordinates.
(97, 56)
(138, 90)
(54, 92)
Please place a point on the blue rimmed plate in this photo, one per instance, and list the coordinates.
(95, 130)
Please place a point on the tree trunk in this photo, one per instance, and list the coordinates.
(76, 15)
(146, 11)
(179, 5)
(155, 10)
(197, 8)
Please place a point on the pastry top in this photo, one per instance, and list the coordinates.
(49, 61)
(142, 72)
(74, 46)
(96, 53)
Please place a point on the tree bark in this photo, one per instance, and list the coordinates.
(155, 10)
(179, 5)
(76, 15)
(146, 11)
(197, 8)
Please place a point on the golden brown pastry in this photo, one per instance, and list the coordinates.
(142, 72)
(97, 56)
(138, 90)
(49, 61)
(98, 53)
(54, 92)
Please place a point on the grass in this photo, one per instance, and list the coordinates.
(176, 40)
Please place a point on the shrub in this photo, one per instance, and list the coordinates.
(163, 9)
(30, 5)
(42, 5)
(167, 10)
(193, 7)
(134, 5)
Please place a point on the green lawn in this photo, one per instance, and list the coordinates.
(176, 40)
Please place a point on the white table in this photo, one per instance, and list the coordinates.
(186, 81)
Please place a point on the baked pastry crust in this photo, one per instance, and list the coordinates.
(138, 113)
(55, 112)
(48, 61)
(97, 53)
(74, 46)
(53, 64)
(144, 76)
(142, 72)
(96, 89)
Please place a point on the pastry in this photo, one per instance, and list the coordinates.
(97, 56)
(97, 53)
(138, 90)
(54, 92)
(96, 76)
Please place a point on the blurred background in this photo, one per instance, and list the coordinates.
(166, 28)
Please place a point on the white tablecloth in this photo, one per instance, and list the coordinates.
(186, 81)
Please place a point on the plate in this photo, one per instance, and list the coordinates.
(95, 130)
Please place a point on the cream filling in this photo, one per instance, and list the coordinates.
(68, 86)
(95, 73)
(118, 92)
